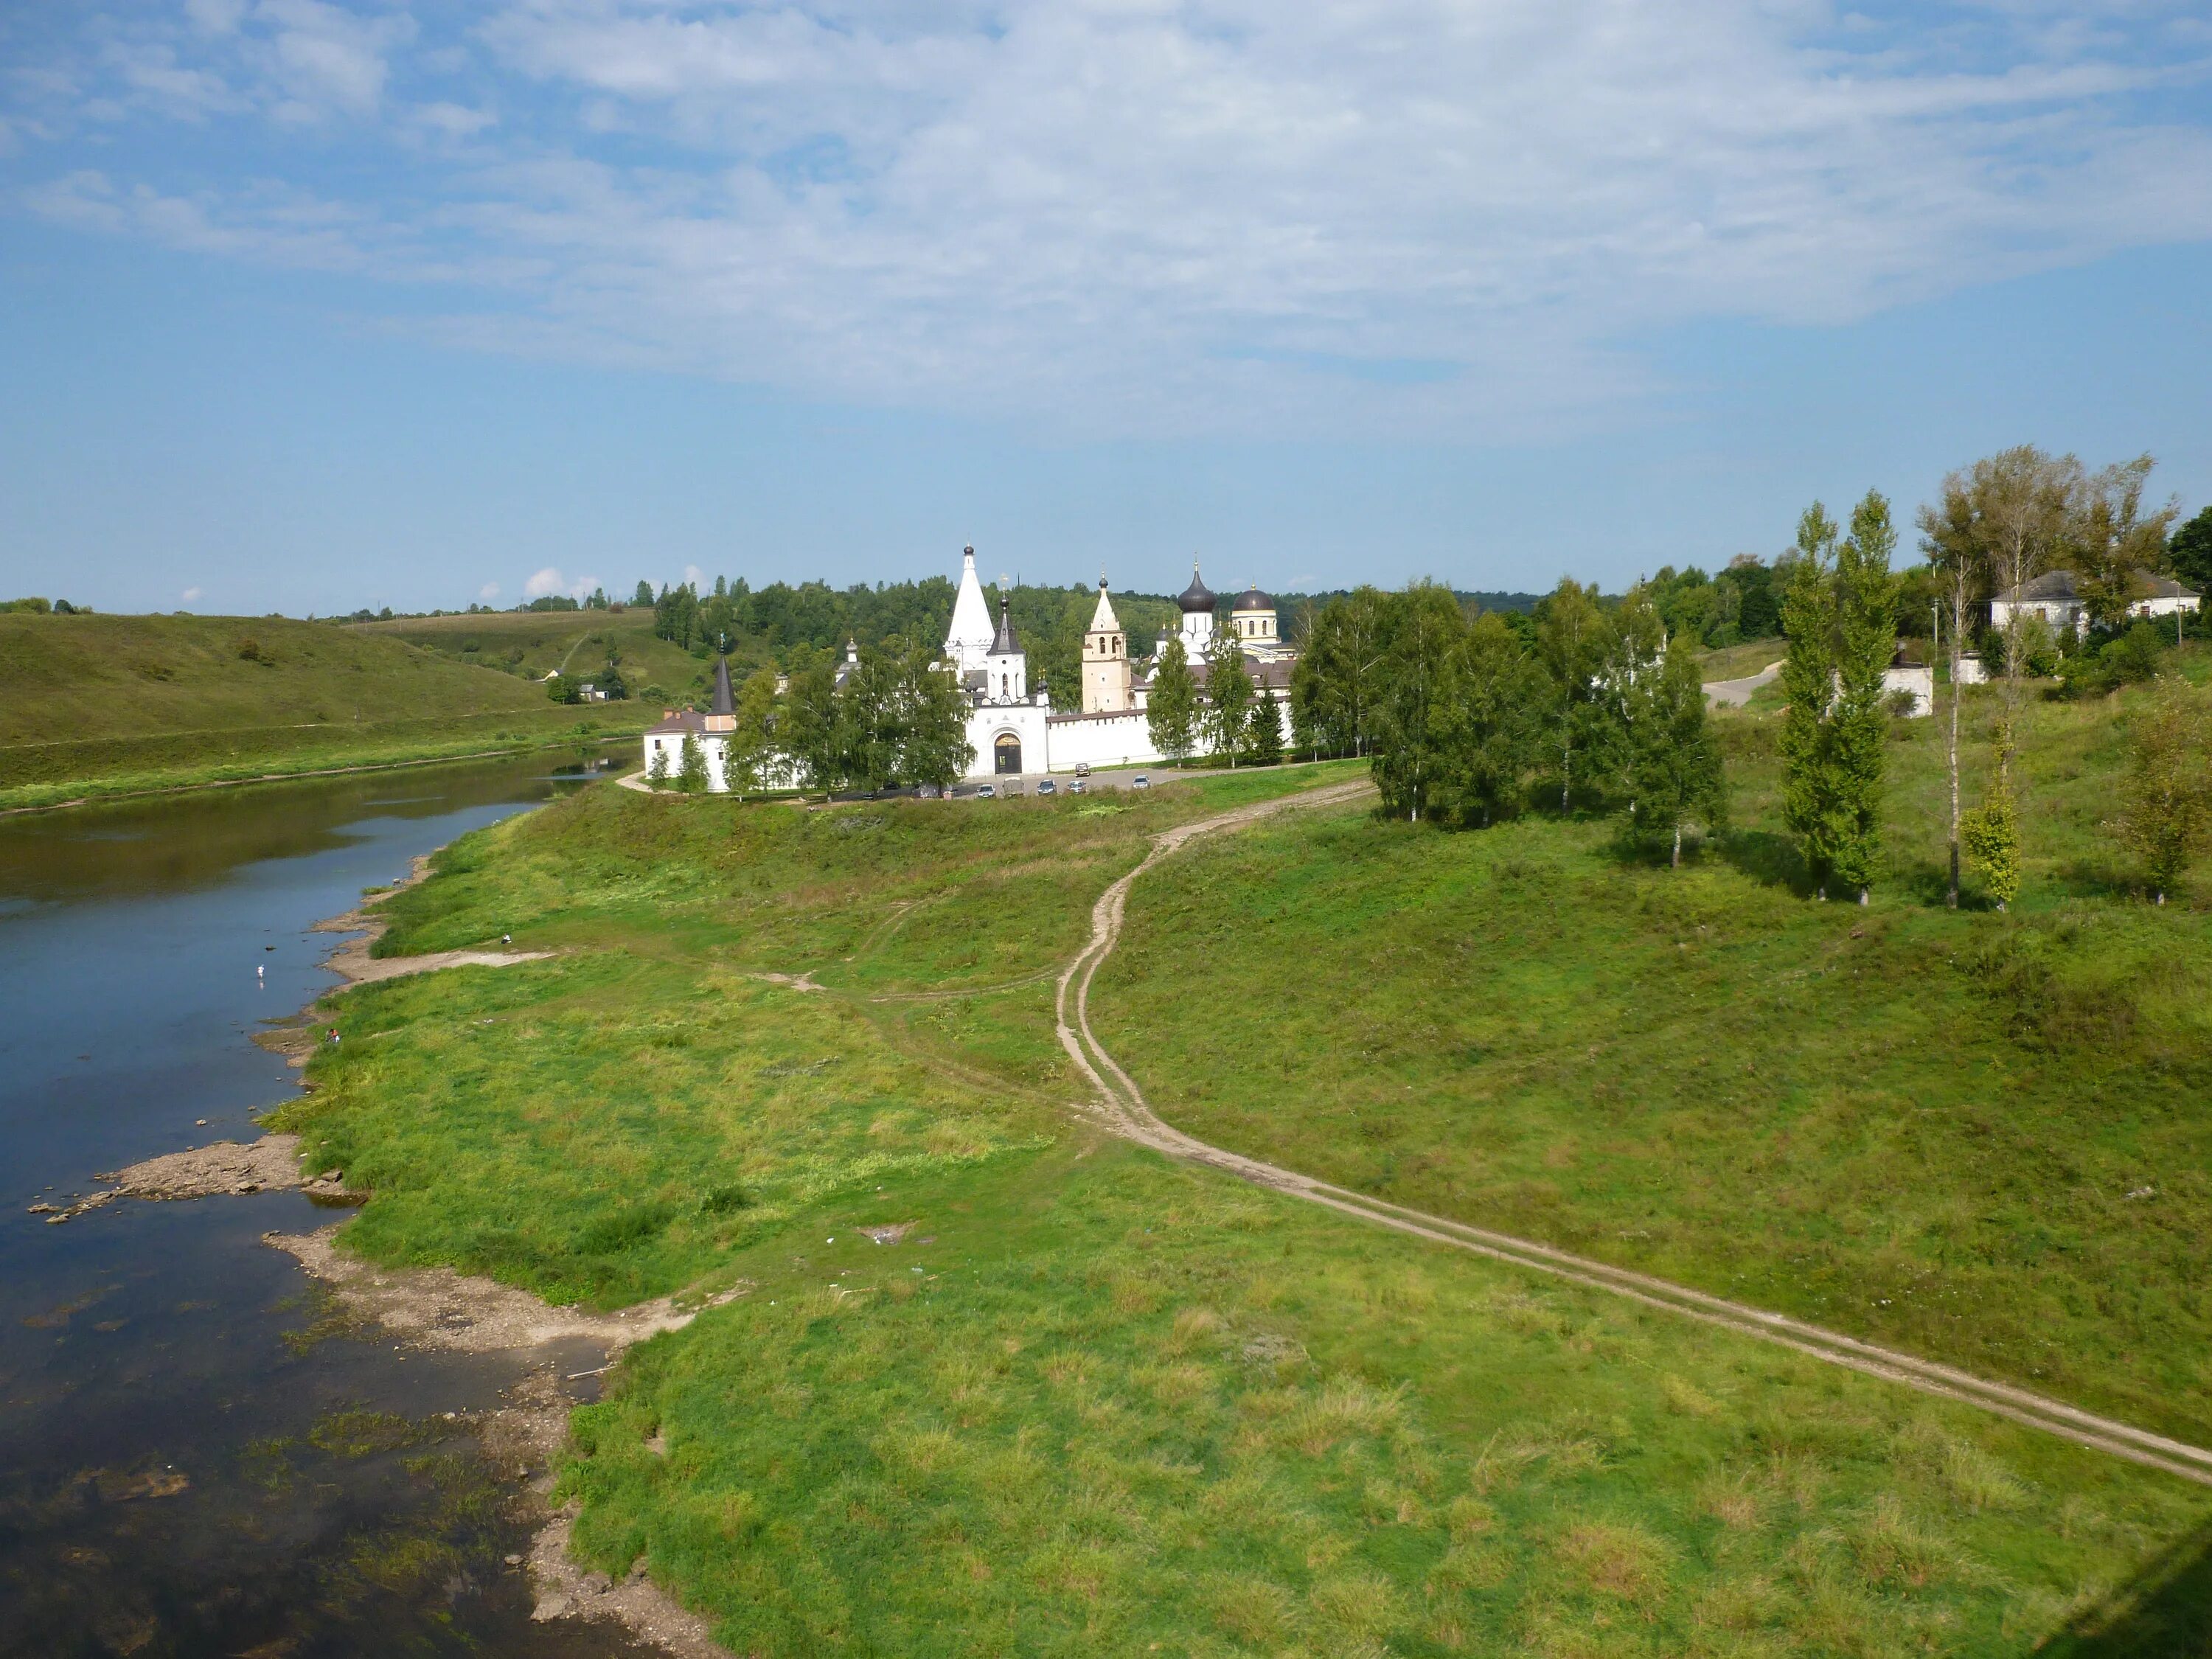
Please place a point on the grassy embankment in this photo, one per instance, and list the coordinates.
(1093, 1402)
(1980, 1137)
(95, 706)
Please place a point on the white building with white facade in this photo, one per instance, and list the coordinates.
(2055, 598)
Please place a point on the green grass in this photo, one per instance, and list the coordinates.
(108, 705)
(1124, 1406)
(1920, 1126)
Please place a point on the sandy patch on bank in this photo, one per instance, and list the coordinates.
(352, 962)
(269, 1164)
(439, 1308)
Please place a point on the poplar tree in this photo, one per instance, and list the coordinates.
(1866, 641)
(1808, 680)
(1228, 696)
(1171, 705)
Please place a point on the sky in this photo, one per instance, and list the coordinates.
(307, 306)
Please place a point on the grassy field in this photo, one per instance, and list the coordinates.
(1090, 1402)
(106, 705)
(535, 643)
(1980, 1137)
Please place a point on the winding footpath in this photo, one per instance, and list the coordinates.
(1121, 1105)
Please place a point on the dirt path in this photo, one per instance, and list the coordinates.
(1734, 694)
(1122, 1105)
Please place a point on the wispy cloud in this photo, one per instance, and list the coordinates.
(1141, 217)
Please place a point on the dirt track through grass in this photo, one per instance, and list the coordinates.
(1123, 1106)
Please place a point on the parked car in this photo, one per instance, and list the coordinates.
(984, 792)
(1078, 788)
(928, 792)
(1083, 768)
(1012, 789)
(1140, 781)
(1048, 788)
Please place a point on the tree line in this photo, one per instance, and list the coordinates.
(1468, 719)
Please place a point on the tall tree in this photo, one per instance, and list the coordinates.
(750, 753)
(2115, 541)
(1571, 638)
(1866, 641)
(1489, 737)
(1171, 706)
(1307, 718)
(643, 597)
(2165, 814)
(871, 716)
(1346, 644)
(1808, 680)
(1952, 534)
(813, 732)
(1415, 716)
(2189, 555)
(2025, 500)
(691, 771)
(1673, 773)
(1228, 711)
(936, 747)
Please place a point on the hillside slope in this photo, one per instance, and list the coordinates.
(103, 703)
(531, 644)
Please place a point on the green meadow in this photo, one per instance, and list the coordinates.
(533, 644)
(99, 705)
(1981, 1137)
(1080, 1399)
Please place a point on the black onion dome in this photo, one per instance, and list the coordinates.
(1253, 599)
(1197, 597)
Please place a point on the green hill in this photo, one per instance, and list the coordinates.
(531, 644)
(104, 704)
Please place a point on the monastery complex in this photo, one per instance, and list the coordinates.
(1012, 727)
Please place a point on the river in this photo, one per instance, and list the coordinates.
(198, 1456)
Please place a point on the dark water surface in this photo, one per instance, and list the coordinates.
(197, 1455)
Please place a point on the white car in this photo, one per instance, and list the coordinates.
(1140, 781)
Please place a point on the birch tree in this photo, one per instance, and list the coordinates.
(1570, 645)
(1228, 711)
(1866, 640)
(1808, 680)
(1171, 706)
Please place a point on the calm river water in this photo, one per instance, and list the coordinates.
(196, 1457)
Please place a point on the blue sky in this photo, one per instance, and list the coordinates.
(309, 305)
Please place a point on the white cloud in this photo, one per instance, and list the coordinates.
(693, 575)
(190, 595)
(1143, 217)
(548, 581)
(486, 593)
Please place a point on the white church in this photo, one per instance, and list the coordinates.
(1012, 727)
(1010, 723)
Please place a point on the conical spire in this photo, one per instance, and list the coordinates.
(969, 639)
(1003, 644)
(724, 702)
(1102, 620)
